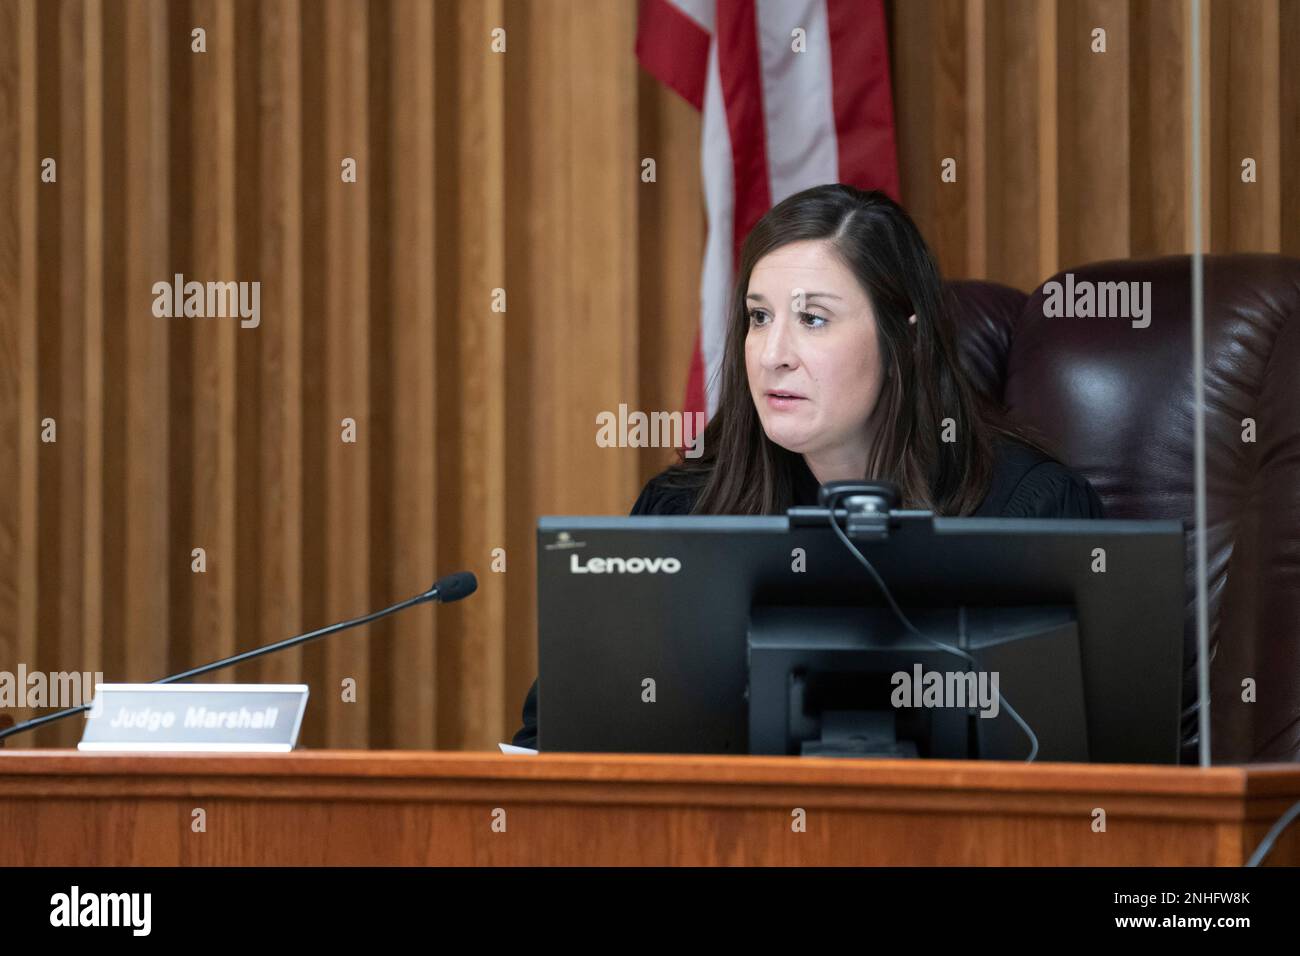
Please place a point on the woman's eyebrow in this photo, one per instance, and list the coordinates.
(759, 297)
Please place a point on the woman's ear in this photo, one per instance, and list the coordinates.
(912, 320)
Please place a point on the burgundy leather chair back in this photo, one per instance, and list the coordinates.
(1115, 402)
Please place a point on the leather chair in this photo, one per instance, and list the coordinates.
(1116, 403)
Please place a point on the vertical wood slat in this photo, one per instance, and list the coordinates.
(50, 334)
(536, 173)
(1244, 82)
(1049, 152)
(93, 371)
(1253, 111)
(913, 88)
(977, 146)
(69, 453)
(1093, 132)
(1010, 64)
(597, 349)
(1289, 126)
(473, 378)
(1244, 117)
(280, 450)
(314, 178)
(144, 496)
(951, 225)
(112, 254)
(12, 372)
(253, 488)
(1207, 133)
(413, 370)
(18, 337)
(345, 465)
(213, 426)
(186, 335)
(26, 429)
(1159, 135)
(1217, 174)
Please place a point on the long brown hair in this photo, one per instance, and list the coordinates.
(742, 471)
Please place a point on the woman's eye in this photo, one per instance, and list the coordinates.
(759, 317)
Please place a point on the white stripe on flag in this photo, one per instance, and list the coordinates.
(720, 201)
(701, 11)
(798, 104)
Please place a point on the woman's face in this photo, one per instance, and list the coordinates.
(812, 352)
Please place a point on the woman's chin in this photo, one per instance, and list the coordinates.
(790, 439)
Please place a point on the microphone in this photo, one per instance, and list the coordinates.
(453, 587)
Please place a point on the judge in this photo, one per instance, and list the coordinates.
(840, 362)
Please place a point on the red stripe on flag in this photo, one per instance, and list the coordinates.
(740, 70)
(695, 398)
(674, 49)
(863, 101)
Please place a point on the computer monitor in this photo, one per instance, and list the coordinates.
(730, 634)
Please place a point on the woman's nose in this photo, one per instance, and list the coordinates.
(777, 349)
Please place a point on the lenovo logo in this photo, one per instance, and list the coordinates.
(624, 565)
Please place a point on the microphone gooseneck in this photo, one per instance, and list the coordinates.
(453, 587)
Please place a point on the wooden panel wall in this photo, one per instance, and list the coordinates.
(1066, 156)
(477, 171)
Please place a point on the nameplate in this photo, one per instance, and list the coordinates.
(174, 718)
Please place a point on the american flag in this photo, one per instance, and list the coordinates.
(794, 93)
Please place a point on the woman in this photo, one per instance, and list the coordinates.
(841, 363)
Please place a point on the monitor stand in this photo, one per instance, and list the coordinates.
(859, 733)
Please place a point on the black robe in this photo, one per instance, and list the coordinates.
(1026, 484)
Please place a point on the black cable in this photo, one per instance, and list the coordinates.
(898, 612)
(1266, 845)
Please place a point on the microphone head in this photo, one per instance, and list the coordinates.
(455, 586)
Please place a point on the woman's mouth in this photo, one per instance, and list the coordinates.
(782, 400)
